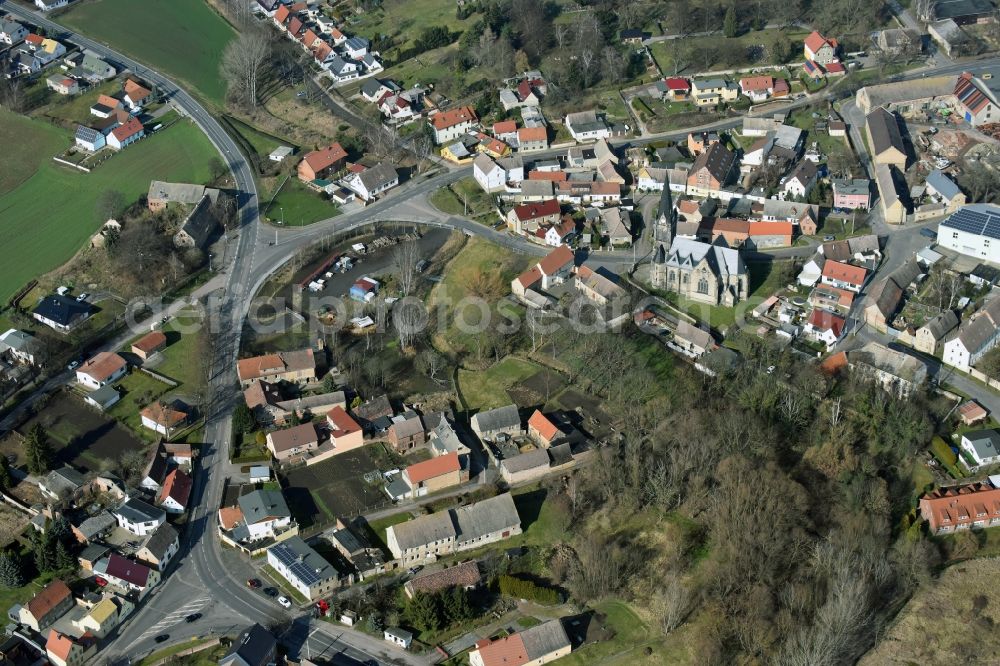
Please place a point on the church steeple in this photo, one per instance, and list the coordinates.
(663, 229)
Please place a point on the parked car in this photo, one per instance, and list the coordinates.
(284, 602)
(253, 583)
(82, 297)
(270, 591)
(828, 238)
(929, 233)
(413, 570)
(422, 265)
(193, 617)
(162, 637)
(100, 582)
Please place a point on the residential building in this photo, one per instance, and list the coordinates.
(897, 373)
(530, 139)
(534, 646)
(885, 139)
(61, 483)
(372, 182)
(977, 335)
(261, 514)
(975, 101)
(587, 126)
(406, 432)
(296, 367)
(711, 171)
(359, 551)
(972, 412)
(89, 138)
(943, 189)
(932, 334)
(163, 418)
(159, 547)
(321, 163)
(891, 194)
(46, 607)
(973, 230)
(711, 92)
(757, 88)
(127, 575)
(255, 646)
(844, 276)
(342, 70)
(529, 217)
(292, 442)
(49, 5)
(454, 530)
(886, 296)
(957, 508)
(430, 476)
(161, 194)
(304, 569)
(676, 88)
(11, 32)
(819, 49)
(62, 649)
(693, 340)
(444, 440)
(104, 616)
(701, 272)
(176, 492)
(102, 369)
(62, 85)
(345, 433)
(20, 346)
(61, 313)
(800, 182)
(135, 95)
(824, 326)
(138, 517)
(982, 445)
(465, 575)
(449, 125)
(542, 430)
(126, 134)
(490, 175)
(851, 194)
(491, 424)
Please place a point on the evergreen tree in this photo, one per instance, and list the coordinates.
(63, 559)
(11, 574)
(423, 613)
(729, 27)
(455, 602)
(329, 383)
(243, 420)
(38, 450)
(43, 553)
(6, 481)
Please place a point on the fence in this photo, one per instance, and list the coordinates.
(163, 378)
(189, 651)
(992, 383)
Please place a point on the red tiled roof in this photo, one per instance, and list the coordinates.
(428, 469)
(677, 83)
(103, 365)
(831, 364)
(962, 505)
(176, 486)
(771, 228)
(556, 260)
(529, 277)
(281, 14)
(553, 176)
(505, 127)
(128, 130)
(229, 516)
(506, 651)
(835, 68)
(51, 596)
(547, 430)
(35, 39)
(325, 158)
(163, 414)
(757, 83)
(532, 134)
(136, 91)
(257, 366)
(446, 119)
(59, 645)
(815, 41)
(826, 321)
(150, 342)
(294, 26)
(108, 101)
(533, 211)
(835, 270)
(341, 422)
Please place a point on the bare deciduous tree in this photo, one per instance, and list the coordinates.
(246, 66)
(404, 260)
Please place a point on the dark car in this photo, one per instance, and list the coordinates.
(253, 583)
(193, 617)
(929, 233)
(270, 591)
(162, 637)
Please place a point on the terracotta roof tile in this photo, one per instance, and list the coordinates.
(428, 469)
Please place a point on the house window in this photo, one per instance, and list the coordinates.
(685, 280)
(703, 286)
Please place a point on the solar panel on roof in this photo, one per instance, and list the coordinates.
(298, 569)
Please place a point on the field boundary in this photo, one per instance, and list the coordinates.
(70, 164)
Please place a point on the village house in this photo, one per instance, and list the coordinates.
(844, 276)
(318, 164)
(587, 126)
(885, 139)
(11, 32)
(455, 530)
(104, 616)
(552, 270)
(134, 94)
(982, 445)
(932, 334)
(825, 327)
(89, 138)
(345, 433)
(406, 432)
(255, 646)
(974, 101)
(45, 608)
(819, 49)
(676, 88)
(126, 134)
(542, 430)
(138, 517)
(886, 296)
(897, 373)
(163, 418)
(851, 194)
(977, 335)
(127, 575)
(176, 492)
(62, 85)
(430, 476)
(63, 649)
(20, 346)
(104, 368)
(957, 508)
(801, 181)
(292, 442)
(161, 194)
(449, 125)
(261, 514)
(711, 92)
(295, 367)
(61, 313)
(304, 569)
(491, 424)
(943, 189)
(711, 171)
(369, 183)
(529, 217)
(534, 646)
(159, 547)
(757, 88)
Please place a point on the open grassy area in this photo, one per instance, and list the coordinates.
(428, 67)
(181, 360)
(739, 51)
(261, 142)
(52, 214)
(296, 205)
(405, 20)
(19, 595)
(206, 656)
(26, 145)
(453, 199)
(183, 38)
(138, 390)
(486, 389)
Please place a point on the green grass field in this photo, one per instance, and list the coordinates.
(296, 205)
(183, 38)
(26, 145)
(486, 389)
(407, 19)
(52, 214)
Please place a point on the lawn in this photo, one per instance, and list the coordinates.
(180, 360)
(207, 656)
(296, 205)
(263, 143)
(26, 145)
(138, 390)
(631, 637)
(452, 199)
(405, 20)
(379, 527)
(689, 48)
(52, 214)
(183, 38)
(487, 389)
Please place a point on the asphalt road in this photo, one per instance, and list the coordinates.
(205, 577)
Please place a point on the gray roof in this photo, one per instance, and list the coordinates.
(884, 129)
(423, 530)
(980, 219)
(338, 64)
(544, 639)
(951, 9)
(537, 188)
(255, 647)
(789, 209)
(525, 461)
(401, 634)
(159, 542)
(263, 503)
(696, 336)
(977, 331)
(687, 253)
(200, 224)
(887, 186)
(867, 244)
(94, 552)
(184, 193)
(904, 366)
(407, 426)
(136, 511)
(302, 561)
(104, 395)
(851, 186)
(444, 438)
(88, 134)
(370, 87)
(351, 540)
(95, 525)
(943, 185)
(985, 442)
(63, 479)
(500, 418)
(486, 517)
(787, 137)
(941, 325)
(379, 175)
(310, 401)
(356, 42)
